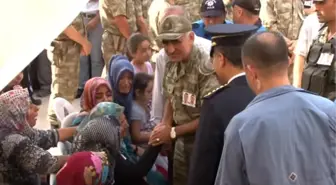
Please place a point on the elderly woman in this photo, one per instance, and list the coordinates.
(96, 90)
(105, 132)
(23, 152)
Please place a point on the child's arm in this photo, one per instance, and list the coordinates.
(138, 137)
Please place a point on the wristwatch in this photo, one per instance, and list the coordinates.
(172, 133)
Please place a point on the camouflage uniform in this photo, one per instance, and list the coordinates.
(284, 16)
(64, 55)
(182, 78)
(113, 42)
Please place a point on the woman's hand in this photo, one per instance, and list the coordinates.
(123, 125)
(89, 175)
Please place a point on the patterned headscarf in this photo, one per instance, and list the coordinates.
(14, 106)
(103, 109)
(88, 99)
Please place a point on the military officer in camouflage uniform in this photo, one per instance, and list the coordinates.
(118, 18)
(286, 17)
(156, 11)
(64, 55)
(183, 86)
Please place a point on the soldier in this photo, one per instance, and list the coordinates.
(119, 21)
(141, 10)
(223, 103)
(283, 16)
(157, 8)
(286, 17)
(183, 86)
(319, 74)
(64, 55)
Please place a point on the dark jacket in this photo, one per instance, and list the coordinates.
(217, 111)
(128, 173)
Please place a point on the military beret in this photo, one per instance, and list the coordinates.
(173, 27)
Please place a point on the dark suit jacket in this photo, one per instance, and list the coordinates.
(217, 111)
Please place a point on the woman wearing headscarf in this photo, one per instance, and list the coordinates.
(96, 90)
(23, 152)
(105, 131)
(84, 168)
(121, 77)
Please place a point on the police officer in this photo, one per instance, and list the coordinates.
(319, 72)
(223, 102)
(212, 12)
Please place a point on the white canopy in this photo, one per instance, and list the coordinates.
(27, 27)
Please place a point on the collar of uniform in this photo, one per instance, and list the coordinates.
(236, 76)
(181, 67)
(323, 37)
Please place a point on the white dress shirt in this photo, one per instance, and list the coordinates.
(236, 76)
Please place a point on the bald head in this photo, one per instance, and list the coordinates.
(266, 50)
(174, 10)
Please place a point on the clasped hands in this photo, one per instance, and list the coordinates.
(160, 135)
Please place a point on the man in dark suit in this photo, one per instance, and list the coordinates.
(223, 103)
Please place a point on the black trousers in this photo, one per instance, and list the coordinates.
(27, 82)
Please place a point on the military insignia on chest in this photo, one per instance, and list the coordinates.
(168, 26)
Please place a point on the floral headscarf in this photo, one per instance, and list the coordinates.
(14, 106)
(101, 110)
(88, 100)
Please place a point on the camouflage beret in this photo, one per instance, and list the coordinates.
(173, 27)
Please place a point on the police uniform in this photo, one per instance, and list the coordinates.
(319, 74)
(219, 106)
(185, 86)
(209, 9)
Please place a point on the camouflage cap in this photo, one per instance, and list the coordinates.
(173, 27)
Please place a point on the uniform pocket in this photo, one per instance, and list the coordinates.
(57, 53)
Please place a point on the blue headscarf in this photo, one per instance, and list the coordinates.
(118, 65)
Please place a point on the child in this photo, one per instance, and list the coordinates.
(140, 125)
(140, 51)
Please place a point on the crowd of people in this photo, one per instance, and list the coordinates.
(181, 92)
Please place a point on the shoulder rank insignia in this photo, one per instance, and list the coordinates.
(214, 90)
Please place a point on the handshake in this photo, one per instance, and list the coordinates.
(160, 135)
